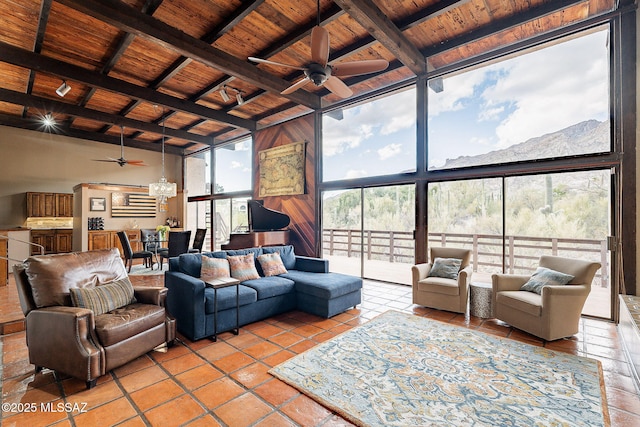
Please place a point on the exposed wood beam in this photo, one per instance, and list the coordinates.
(65, 130)
(128, 19)
(77, 111)
(24, 58)
(45, 9)
(367, 14)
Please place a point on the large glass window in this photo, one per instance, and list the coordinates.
(550, 102)
(233, 171)
(370, 139)
(563, 214)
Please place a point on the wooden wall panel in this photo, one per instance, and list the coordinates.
(301, 208)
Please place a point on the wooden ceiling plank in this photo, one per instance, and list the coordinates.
(128, 19)
(43, 18)
(74, 110)
(367, 14)
(16, 56)
(498, 26)
(64, 129)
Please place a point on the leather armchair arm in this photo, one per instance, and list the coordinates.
(151, 295)
(71, 331)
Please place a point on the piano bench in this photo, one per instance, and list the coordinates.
(326, 294)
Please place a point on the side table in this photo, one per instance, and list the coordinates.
(480, 299)
(219, 283)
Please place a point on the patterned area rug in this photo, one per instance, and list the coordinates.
(404, 370)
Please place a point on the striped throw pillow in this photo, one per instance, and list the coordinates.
(272, 264)
(214, 267)
(104, 298)
(243, 267)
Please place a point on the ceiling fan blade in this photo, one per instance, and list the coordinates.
(320, 45)
(135, 162)
(295, 86)
(265, 61)
(338, 87)
(103, 160)
(355, 68)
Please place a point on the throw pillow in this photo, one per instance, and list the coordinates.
(243, 267)
(104, 298)
(214, 267)
(446, 268)
(545, 277)
(272, 264)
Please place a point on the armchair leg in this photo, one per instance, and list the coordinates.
(91, 383)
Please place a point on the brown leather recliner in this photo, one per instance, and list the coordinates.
(73, 340)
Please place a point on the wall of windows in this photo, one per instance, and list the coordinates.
(551, 101)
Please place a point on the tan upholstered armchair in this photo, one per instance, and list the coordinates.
(81, 318)
(439, 292)
(555, 312)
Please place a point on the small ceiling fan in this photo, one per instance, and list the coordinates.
(122, 161)
(320, 73)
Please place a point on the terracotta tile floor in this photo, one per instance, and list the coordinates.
(226, 383)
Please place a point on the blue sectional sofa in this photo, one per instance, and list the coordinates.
(307, 286)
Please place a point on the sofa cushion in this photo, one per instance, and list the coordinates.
(214, 267)
(271, 264)
(51, 276)
(243, 267)
(439, 285)
(227, 297)
(447, 268)
(324, 285)
(271, 286)
(528, 302)
(545, 277)
(104, 298)
(287, 255)
(126, 322)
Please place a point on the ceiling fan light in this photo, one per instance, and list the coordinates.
(63, 89)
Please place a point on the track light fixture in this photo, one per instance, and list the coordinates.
(63, 89)
(224, 94)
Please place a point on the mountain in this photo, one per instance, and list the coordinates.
(591, 136)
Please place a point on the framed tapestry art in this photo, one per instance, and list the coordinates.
(282, 170)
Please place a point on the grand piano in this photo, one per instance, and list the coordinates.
(266, 228)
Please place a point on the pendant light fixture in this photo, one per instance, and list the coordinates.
(163, 189)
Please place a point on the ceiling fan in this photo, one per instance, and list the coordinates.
(320, 72)
(122, 161)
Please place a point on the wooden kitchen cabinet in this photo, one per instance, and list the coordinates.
(49, 205)
(64, 241)
(54, 241)
(107, 239)
(64, 205)
(99, 240)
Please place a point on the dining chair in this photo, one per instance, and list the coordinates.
(130, 255)
(198, 240)
(178, 244)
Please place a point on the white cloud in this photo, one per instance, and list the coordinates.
(355, 173)
(235, 164)
(384, 116)
(550, 95)
(389, 151)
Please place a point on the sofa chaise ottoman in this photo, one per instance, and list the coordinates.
(307, 285)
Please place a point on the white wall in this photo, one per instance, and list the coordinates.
(37, 161)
